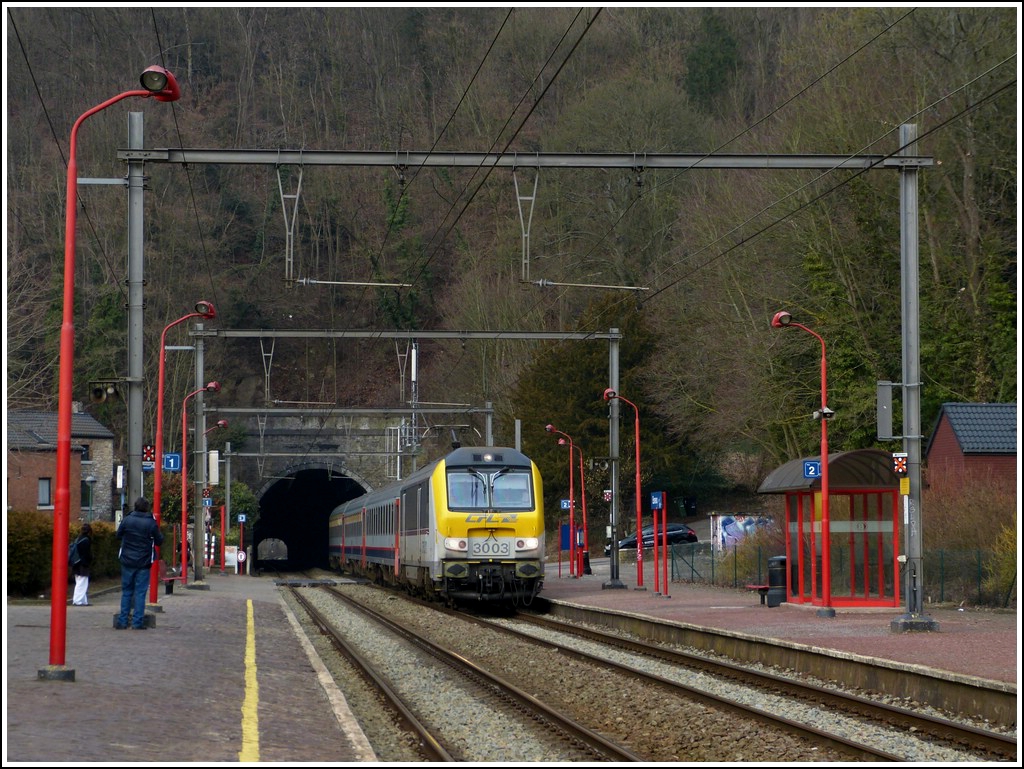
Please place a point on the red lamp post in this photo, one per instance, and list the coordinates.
(212, 387)
(609, 394)
(161, 85)
(572, 503)
(206, 311)
(221, 425)
(783, 319)
(584, 554)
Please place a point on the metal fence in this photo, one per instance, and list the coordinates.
(949, 576)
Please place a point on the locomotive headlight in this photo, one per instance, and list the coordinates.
(527, 543)
(456, 544)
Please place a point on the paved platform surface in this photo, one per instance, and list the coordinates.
(979, 643)
(184, 690)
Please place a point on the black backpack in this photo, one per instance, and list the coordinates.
(74, 557)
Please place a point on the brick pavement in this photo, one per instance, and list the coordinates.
(978, 643)
(175, 692)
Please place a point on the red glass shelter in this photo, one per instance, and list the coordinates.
(864, 505)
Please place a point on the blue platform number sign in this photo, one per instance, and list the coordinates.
(812, 469)
(172, 463)
(565, 504)
(655, 500)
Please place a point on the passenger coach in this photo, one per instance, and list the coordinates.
(469, 526)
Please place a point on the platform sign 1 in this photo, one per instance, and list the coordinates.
(172, 463)
(812, 468)
(241, 517)
(207, 502)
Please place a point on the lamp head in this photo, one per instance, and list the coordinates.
(222, 423)
(101, 391)
(781, 319)
(562, 442)
(161, 83)
(213, 387)
(609, 394)
(206, 309)
(549, 428)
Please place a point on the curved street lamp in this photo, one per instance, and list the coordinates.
(572, 502)
(161, 85)
(211, 387)
(582, 553)
(610, 394)
(783, 319)
(205, 310)
(221, 425)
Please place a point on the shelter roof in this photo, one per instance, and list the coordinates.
(862, 469)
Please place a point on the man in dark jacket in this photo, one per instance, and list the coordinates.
(139, 535)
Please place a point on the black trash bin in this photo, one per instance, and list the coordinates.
(776, 580)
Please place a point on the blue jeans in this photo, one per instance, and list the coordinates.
(134, 586)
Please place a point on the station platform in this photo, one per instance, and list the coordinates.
(981, 643)
(222, 676)
(212, 683)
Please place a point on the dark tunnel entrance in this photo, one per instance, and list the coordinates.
(295, 510)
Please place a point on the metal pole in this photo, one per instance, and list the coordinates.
(913, 619)
(826, 524)
(613, 453)
(136, 372)
(199, 519)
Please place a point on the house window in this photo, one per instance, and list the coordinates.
(45, 492)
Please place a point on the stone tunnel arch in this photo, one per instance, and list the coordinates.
(295, 508)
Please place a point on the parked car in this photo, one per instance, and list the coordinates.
(677, 533)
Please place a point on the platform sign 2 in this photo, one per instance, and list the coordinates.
(812, 468)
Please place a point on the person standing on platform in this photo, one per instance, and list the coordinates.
(139, 535)
(81, 569)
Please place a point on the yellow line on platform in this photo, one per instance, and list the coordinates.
(250, 705)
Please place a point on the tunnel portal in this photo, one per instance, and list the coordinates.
(295, 509)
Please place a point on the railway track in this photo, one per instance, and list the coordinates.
(631, 707)
(987, 744)
(563, 739)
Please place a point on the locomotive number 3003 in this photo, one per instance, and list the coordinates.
(492, 547)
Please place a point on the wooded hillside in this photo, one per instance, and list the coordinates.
(717, 252)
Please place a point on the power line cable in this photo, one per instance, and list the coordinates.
(188, 174)
(854, 175)
(79, 199)
(508, 143)
(745, 131)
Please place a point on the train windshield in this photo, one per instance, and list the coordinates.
(504, 489)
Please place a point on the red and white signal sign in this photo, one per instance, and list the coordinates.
(899, 464)
(149, 453)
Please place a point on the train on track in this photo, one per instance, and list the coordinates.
(466, 527)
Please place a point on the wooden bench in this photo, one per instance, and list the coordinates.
(762, 590)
